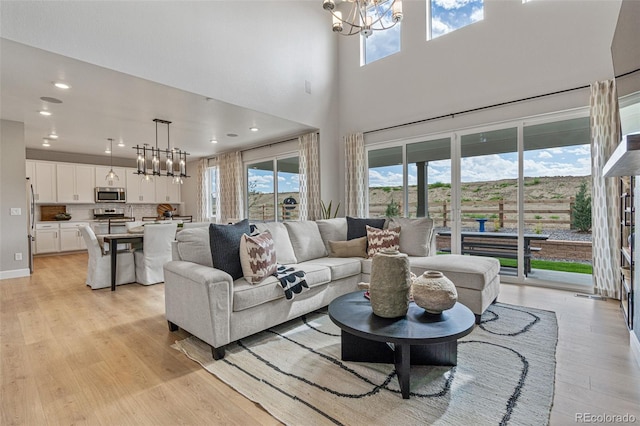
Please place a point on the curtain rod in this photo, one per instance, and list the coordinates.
(452, 115)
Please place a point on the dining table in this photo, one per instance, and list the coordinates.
(114, 240)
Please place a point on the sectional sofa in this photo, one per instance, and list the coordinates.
(208, 303)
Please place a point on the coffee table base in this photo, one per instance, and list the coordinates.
(403, 356)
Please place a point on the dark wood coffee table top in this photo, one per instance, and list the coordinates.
(352, 313)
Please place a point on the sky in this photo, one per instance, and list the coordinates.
(563, 161)
(262, 181)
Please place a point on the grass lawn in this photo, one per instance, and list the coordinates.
(580, 268)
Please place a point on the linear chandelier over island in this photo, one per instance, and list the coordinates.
(174, 169)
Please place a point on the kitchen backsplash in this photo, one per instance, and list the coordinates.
(81, 212)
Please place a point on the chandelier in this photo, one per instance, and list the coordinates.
(365, 16)
(175, 160)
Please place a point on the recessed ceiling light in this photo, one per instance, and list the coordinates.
(43, 112)
(45, 142)
(51, 100)
(61, 85)
(107, 151)
(121, 143)
(253, 129)
(214, 141)
(53, 136)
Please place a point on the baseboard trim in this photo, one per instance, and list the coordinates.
(16, 273)
(635, 346)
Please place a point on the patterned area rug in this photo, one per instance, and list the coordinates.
(505, 375)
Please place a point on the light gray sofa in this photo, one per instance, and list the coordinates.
(210, 305)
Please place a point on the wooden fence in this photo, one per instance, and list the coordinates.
(548, 213)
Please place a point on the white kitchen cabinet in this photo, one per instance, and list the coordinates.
(43, 179)
(166, 191)
(138, 190)
(75, 183)
(71, 237)
(47, 238)
(102, 181)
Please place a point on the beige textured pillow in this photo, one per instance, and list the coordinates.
(382, 239)
(352, 248)
(416, 235)
(257, 256)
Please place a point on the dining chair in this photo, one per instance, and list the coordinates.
(188, 225)
(99, 266)
(156, 251)
(184, 219)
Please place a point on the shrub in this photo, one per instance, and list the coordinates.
(393, 209)
(582, 210)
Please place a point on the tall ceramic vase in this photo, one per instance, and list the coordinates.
(390, 284)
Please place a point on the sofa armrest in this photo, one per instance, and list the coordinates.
(198, 299)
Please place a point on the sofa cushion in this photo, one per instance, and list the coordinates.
(357, 228)
(332, 230)
(415, 238)
(225, 246)
(340, 267)
(471, 272)
(246, 295)
(193, 246)
(382, 239)
(284, 250)
(257, 256)
(351, 248)
(306, 240)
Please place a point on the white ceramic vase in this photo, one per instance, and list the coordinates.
(434, 292)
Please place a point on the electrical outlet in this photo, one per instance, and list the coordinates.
(18, 256)
(16, 211)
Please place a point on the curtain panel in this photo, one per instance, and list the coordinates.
(355, 173)
(202, 191)
(230, 187)
(310, 208)
(605, 136)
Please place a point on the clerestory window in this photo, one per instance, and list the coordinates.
(445, 16)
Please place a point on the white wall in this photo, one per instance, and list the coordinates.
(255, 54)
(13, 229)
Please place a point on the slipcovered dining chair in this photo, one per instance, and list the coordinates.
(99, 266)
(156, 251)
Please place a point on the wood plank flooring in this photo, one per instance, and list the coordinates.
(72, 355)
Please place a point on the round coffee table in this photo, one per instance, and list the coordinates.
(418, 338)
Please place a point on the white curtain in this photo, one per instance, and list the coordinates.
(203, 191)
(230, 187)
(354, 175)
(605, 136)
(310, 208)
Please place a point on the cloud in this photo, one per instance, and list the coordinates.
(545, 154)
(385, 176)
(477, 15)
(452, 4)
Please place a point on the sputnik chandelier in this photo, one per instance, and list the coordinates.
(365, 16)
(175, 160)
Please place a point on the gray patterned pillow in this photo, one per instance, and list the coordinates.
(225, 246)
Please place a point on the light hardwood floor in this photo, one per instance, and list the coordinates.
(72, 355)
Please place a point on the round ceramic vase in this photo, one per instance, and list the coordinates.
(390, 285)
(434, 292)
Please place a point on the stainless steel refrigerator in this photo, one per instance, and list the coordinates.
(31, 221)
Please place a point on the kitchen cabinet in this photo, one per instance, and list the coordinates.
(102, 181)
(138, 190)
(166, 191)
(43, 179)
(47, 238)
(71, 237)
(75, 183)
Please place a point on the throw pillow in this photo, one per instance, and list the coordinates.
(352, 248)
(416, 235)
(284, 250)
(257, 256)
(332, 230)
(194, 246)
(382, 239)
(225, 246)
(306, 240)
(357, 228)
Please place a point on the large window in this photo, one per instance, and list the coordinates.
(445, 16)
(386, 195)
(381, 44)
(273, 189)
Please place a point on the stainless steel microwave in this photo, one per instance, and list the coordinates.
(111, 195)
